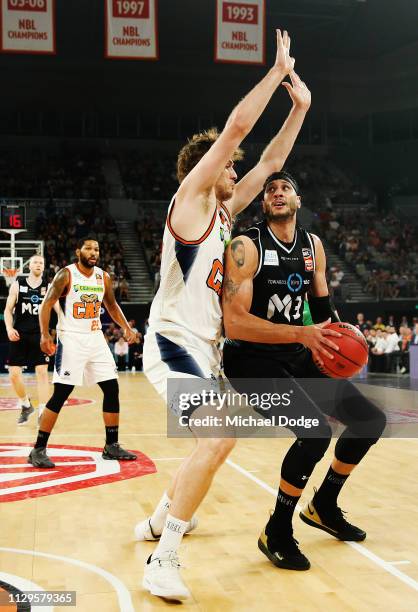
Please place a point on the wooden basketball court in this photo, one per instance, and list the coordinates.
(81, 539)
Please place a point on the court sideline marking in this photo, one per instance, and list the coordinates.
(388, 567)
(123, 595)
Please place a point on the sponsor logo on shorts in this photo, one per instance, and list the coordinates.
(77, 467)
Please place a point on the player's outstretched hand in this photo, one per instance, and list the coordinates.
(283, 62)
(47, 345)
(13, 335)
(300, 94)
(317, 338)
(129, 335)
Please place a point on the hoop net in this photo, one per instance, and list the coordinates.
(10, 268)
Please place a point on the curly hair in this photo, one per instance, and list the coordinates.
(195, 149)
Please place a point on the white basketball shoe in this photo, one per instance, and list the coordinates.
(162, 577)
(144, 532)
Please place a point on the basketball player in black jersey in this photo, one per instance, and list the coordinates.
(22, 326)
(269, 269)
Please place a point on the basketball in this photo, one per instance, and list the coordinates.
(351, 357)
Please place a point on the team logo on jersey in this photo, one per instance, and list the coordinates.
(35, 299)
(294, 282)
(307, 258)
(23, 289)
(271, 258)
(88, 308)
(77, 467)
(99, 279)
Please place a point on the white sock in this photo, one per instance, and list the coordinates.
(160, 514)
(25, 402)
(171, 536)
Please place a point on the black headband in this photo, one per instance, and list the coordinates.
(284, 176)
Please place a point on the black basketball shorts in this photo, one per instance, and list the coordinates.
(27, 351)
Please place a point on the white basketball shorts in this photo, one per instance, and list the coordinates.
(83, 359)
(178, 357)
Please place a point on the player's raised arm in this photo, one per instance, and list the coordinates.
(57, 288)
(241, 263)
(11, 301)
(115, 310)
(275, 155)
(202, 178)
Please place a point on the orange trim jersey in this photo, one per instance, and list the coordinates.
(79, 310)
(188, 300)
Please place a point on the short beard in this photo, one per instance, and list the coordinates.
(278, 218)
(86, 262)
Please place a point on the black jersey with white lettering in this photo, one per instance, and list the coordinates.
(26, 313)
(284, 275)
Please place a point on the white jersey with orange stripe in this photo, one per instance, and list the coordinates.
(188, 300)
(79, 309)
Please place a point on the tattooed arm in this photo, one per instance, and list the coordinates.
(241, 263)
(57, 288)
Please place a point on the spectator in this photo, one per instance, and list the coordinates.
(121, 353)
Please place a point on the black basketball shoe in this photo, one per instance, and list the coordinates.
(115, 451)
(332, 521)
(39, 458)
(283, 551)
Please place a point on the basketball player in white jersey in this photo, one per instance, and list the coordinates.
(22, 326)
(186, 319)
(82, 354)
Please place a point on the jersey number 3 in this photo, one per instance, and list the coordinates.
(285, 306)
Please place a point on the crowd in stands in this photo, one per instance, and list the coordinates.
(148, 177)
(382, 250)
(388, 342)
(127, 356)
(60, 231)
(36, 174)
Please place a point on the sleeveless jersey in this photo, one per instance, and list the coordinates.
(284, 275)
(188, 299)
(26, 319)
(79, 309)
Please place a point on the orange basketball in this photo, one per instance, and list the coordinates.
(353, 353)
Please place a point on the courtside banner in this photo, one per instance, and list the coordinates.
(131, 29)
(27, 26)
(240, 31)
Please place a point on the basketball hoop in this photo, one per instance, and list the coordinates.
(10, 275)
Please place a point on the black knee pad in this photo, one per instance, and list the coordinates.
(359, 436)
(301, 459)
(110, 390)
(59, 397)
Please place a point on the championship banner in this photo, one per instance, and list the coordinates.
(131, 29)
(27, 26)
(240, 31)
